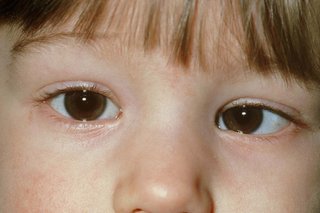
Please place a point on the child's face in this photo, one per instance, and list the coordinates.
(158, 137)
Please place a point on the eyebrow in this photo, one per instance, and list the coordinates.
(22, 45)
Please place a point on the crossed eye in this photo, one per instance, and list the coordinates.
(246, 119)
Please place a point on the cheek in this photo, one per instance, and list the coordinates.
(275, 176)
(31, 179)
(35, 178)
(37, 191)
(44, 183)
(27, 183)
(293, 176)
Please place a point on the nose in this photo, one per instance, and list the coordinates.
(163, 174)
(155, 196)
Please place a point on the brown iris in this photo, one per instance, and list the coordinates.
(84, 105)
(244, 119)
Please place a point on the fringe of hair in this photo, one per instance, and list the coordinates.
(280, 36)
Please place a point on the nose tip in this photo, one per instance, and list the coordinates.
(149, 195)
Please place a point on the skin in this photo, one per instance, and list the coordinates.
(164, 153)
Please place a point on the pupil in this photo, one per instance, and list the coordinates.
(243, 119)
(84, 105)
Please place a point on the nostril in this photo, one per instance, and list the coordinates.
(142, 211)
(139, 211)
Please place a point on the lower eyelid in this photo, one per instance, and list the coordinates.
(285, 135)
(63, 125)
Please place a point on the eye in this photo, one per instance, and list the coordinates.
(256, 120)
(84, 105)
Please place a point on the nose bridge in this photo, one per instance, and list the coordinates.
(166, 173)
(171, 140)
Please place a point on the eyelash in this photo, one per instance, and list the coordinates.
(67, 88)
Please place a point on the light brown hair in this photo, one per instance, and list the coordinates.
(277, 36)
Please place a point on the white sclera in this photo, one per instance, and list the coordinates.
(111, 110)
(271, 123)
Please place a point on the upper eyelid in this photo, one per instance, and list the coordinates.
(52, 91)
(106, 93)
(288, 113)
(263, 103)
